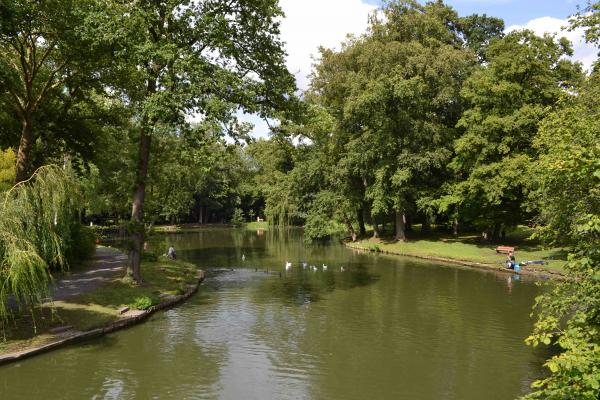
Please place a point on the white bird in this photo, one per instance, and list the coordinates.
(288, 265)
(304, 264)
(243, 257)
(324, 267)
(314, 268)
(341, 269)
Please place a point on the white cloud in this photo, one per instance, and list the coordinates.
(583, 52)
(313, 23)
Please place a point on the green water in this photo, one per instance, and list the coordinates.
(383, 328)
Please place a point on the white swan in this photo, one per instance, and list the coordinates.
(288, 265)
(324, 267)
(341, 269)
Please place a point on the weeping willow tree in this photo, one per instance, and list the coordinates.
(38, 228)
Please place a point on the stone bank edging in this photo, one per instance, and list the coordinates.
(128, 319)
(535, 272)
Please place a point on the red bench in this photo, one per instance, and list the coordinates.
(504, 249)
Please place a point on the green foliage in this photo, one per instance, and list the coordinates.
(46, 69)
(141, 303)
(320, 222)
(83, 243)
(568, 197)
(7, 169)
(271, 163)
(507, 97)
(38, 231)
(480, 30)
(589, 19)
(237, 219)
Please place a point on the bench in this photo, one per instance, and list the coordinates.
(504, 249)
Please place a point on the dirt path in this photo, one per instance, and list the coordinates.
(106, 265)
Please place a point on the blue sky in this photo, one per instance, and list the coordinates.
(514, 12)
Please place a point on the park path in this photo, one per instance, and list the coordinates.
(106, 265)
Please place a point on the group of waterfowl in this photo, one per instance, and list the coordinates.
(288, 266)
(304, 264)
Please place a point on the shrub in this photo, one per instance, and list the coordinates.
(141, 303)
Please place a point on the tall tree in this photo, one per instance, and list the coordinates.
(507, 98)
(179, 57)
(479, 31)
(395, 95)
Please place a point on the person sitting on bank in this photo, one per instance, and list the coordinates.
(171, 253)
(510, 260)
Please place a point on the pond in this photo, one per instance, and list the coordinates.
(368, 327)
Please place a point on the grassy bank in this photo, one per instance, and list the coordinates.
(101, 306)
(469, 248)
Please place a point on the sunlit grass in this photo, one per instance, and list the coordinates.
(264, 225)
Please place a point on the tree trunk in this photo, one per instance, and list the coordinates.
(455, 227)
(23, 161)
(350, 229)
(372, 221)
(376, 232)
(408, 223)
(400, 226)
(496, 231)
(360, 215)
(139, 194)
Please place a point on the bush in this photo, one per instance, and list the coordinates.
(141, 303)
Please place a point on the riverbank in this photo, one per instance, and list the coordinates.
(98, 300)
(467, 252)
